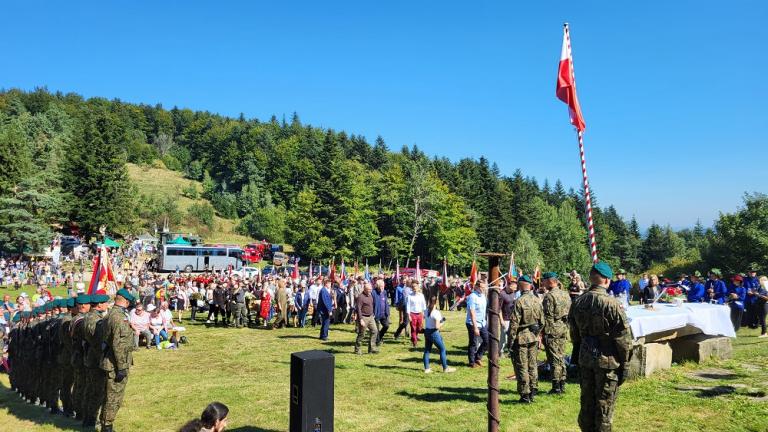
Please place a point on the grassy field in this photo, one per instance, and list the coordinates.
(248, 369)
(165, 182)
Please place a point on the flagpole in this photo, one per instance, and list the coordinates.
(587, 198)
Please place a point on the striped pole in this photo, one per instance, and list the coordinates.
(587, 199)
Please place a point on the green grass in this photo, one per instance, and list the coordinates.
(248, 370)
(165, 182)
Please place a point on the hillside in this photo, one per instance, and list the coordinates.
(162, 182)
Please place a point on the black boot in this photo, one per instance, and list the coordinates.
(107, 428)
(534, 392)
(525, 399)
(89, 422)
(555, 388)
(562, 386)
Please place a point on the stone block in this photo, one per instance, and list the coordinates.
(701, 347)
(649, 357)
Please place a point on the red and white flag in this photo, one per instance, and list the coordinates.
(566, 83)
(473, 274)
(444, 283)
(102, 271)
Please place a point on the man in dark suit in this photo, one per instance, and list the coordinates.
(302, 303)
(325, 308)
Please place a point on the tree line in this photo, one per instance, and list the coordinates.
(326, 192)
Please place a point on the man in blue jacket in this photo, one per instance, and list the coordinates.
(621, 286)
(752, 285)
(696, 291)
(736, 295)
(302, 303)
(380, 310)
(325, 308)
(715, 289)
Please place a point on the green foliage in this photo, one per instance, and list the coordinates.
(203, 213)
(172, 163)
(190, 191)
(157, 212)
(742, 237)
(24, 218)
(266, 223)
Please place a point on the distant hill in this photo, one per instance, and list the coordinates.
(161, 182)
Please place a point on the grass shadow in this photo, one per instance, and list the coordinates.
(445, 396)
(35, 414)
(296, 337)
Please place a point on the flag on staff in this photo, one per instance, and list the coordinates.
(310, 271)
(397, 271)
(332, 272)
(295, 275)
(343, 270)
(380, 270)
(367, 274)
(473, 274)
(566, 83)
(537, 274)
(512, 272)
(102, 271)
(444, 282)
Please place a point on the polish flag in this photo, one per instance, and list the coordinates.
(444, 284)
(473, 274)
(566, 82)
(102, 271)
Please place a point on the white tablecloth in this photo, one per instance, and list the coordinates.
(714, 320)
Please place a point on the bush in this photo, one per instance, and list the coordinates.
(171, 162)
(203, 213)
(190, 191)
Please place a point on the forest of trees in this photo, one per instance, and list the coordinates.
(328, 193)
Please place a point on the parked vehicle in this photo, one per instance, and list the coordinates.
(199, 258)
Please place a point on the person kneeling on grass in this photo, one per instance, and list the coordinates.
(213, 419)
(432, 336)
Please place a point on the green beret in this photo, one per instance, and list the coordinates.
(71, 302)
(83, 299)
(697, 273)
(48, 306)
(16, 318)
(603, 269)
(38, 311)
(99, 298)
(549, 275)
(524, 278)
(124, 293)
(621, 271)
(60, 303)
(716, 272)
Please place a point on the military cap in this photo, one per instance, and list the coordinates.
(38, 310)
(525, 278)
(753, 267)
(603, 269)
(83, 299)
(124, 293)
(71, 302)
(16, 318)
(621, 271)
(48, 306)
(99, 298)
(549, 275)
(716, 272)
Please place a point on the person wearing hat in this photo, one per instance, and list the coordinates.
(50, 374)
(736, 296)
(715, 289)
(95, 379)
(696, 291)
(621, 287)
(77, 360)
(65, 355)
(556, 305)
(117, 360)
(752, 285)
(602, 348)
(525, 324)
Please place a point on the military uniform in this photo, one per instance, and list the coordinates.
(524, 327)
(77, 334)
(93, 396)
(556, 305)
(118, 358)
(600, 329)
(64, 357)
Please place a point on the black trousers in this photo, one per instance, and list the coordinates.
(736, 315)
(477, 344)
(762, 310)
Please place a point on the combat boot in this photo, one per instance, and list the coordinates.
(525, 399)
(107, 428)
(555, 388)
(562, 386)
(89, 422)
(534, 393)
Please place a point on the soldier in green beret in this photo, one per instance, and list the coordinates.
(556, 305)
(600, 330)
(93, 396)
(65, 355)
(524, 328)
(77, 334)
(118, 357)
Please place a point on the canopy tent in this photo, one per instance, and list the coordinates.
(179, 241)
(109, 242)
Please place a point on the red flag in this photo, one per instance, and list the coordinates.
(444, 284)
(537, 274)
(566, 83)
(332, 272)
(343, 270)
(295, 275)
(102, 271)
(512, 272)
(473, 274)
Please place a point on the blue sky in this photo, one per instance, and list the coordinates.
(674, 93)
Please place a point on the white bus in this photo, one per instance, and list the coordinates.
(189, 258)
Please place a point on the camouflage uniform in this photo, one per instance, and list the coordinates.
(118, 358)
(65, 367)
(93, 396)
(77, 333)
(52, 374)
(556, 305)
(600, 329)
(524, 326)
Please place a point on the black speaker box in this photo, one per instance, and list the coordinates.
(311, 391)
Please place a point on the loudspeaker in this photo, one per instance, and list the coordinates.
(311, 391)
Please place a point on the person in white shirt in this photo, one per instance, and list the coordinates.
(415, 305)
(432, 337)
(314, 292)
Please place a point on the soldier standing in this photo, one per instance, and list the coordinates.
(524, 327)
(94, 381)
(118, 358)
(64, 357)
(556, 305)
(77, 334)
(600, 331)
